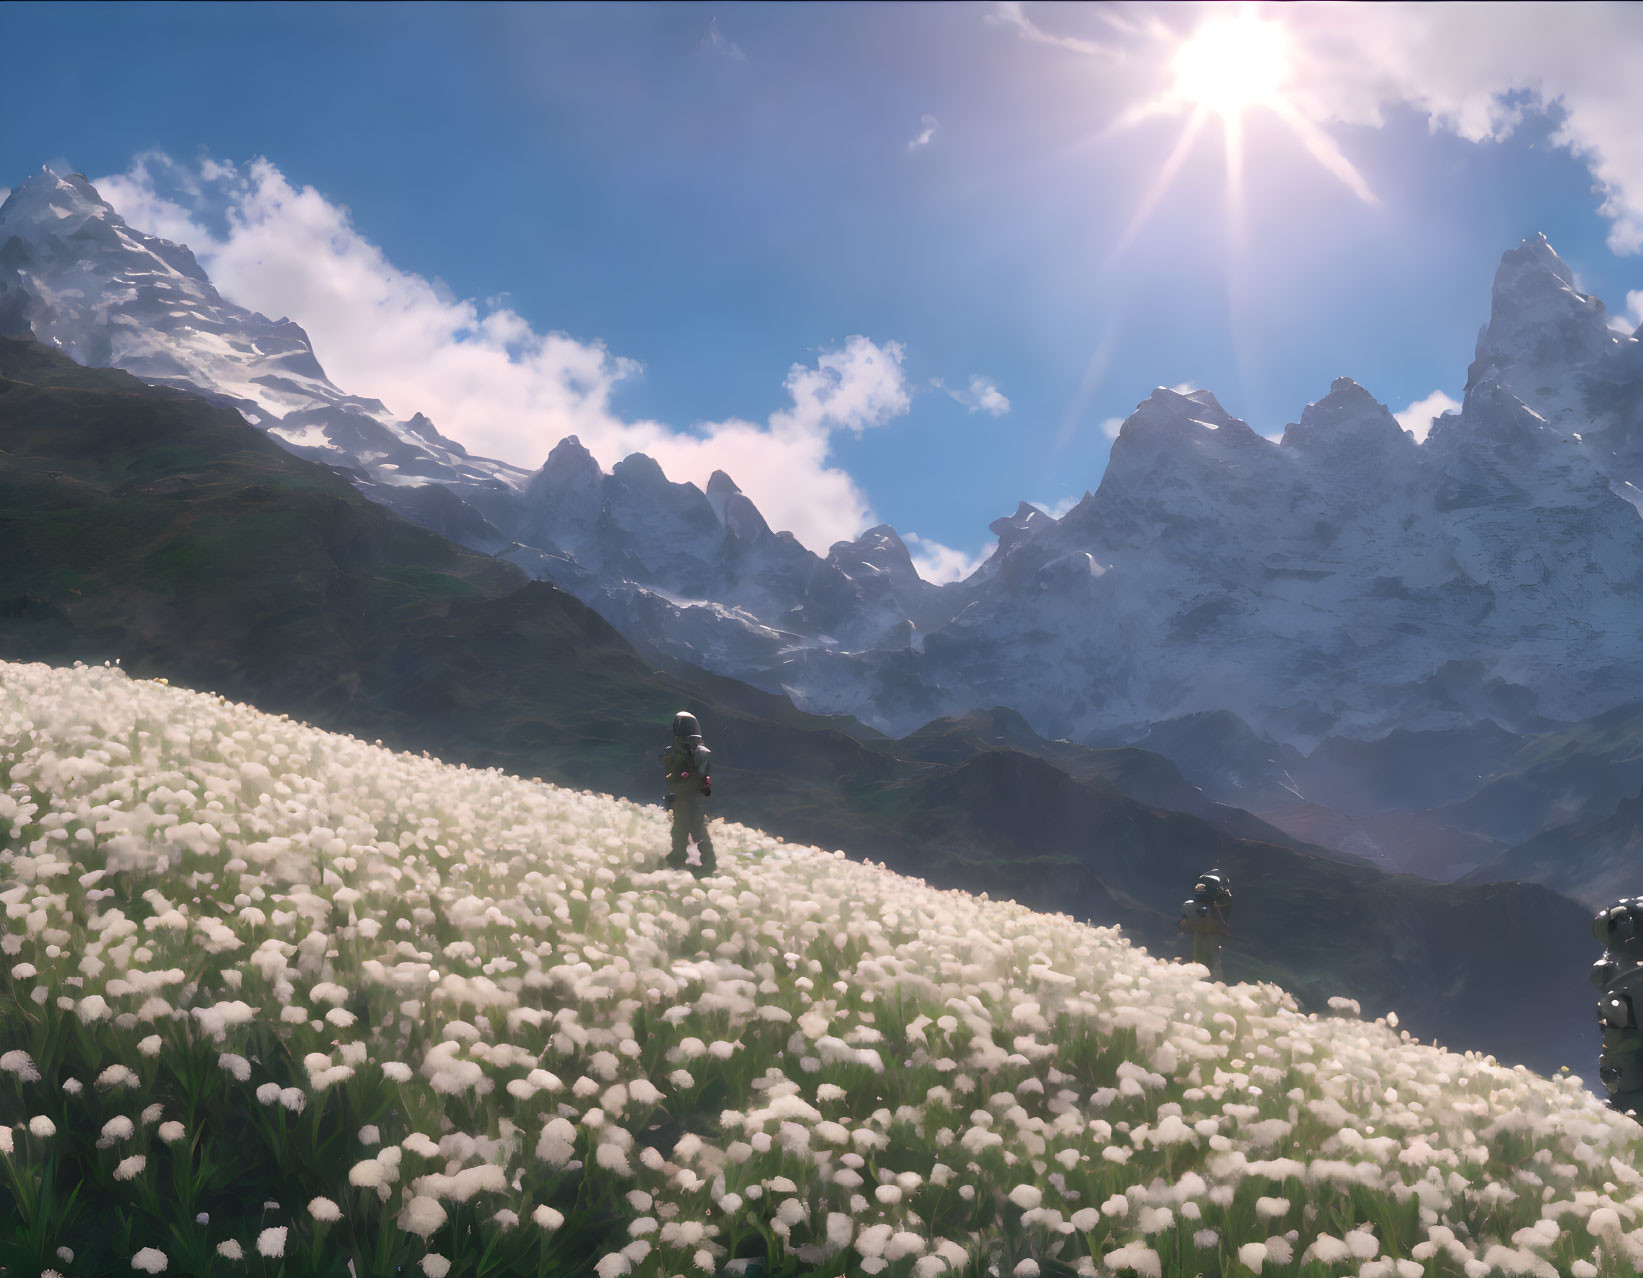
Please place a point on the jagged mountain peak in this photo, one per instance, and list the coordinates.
(880, 546)
(1541, 327)
(640, 469)
(1348, 417)
(720, 486)
(568, 465)
(1168, 414)
(1027, 518)
(47, 194)
(1535, 255)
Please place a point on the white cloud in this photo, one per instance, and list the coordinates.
(982, 396)
(717, 40)
(1476, 69)
(1184, 388)
(930, 124)
(487, 378)
(1417, 418)
(1629, 322)
(940, 564)
(1110, 426)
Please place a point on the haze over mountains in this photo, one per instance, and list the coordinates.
(1473, 594)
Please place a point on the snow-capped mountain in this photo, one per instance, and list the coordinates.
(106, 294)
(699, 574)
(1346, 579)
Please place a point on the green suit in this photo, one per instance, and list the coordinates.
(686, 764)
(1205, 920)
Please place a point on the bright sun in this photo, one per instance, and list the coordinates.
(1232, 63)
(1225, 67)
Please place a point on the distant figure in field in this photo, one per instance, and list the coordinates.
(686, 764)
(1204, 918)
(1619, 975)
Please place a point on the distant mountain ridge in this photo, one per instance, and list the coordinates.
(1344, 581)
(148, 525)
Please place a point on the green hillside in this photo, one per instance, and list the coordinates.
(150, 527)
(285, 1004)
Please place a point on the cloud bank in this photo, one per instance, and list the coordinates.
(929, 125)
(1417, 418)
(484, 375)
(1475, 70)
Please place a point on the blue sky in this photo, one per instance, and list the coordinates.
(878, 262)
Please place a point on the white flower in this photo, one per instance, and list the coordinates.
(548, 1218)
(369, 1135)
(150, 1260)
(22, 1064)
(130, 1167)
(117, 1128)
(170, 1132)
(236, 1065)
(1026, 1269)
(42, 1126)
(230, 1249)
(367, 1175)
(150, 1046)
(1326, 1249)
(422, 1215)
(271, 1241)
(435, 1265)
(1026, 1197)
(323, 1209)
(1251, 1255)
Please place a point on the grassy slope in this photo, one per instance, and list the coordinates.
(152, 527)
(749, 1058)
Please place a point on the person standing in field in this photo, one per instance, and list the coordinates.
(1204, 917)
(1619, 977)
(686, 765)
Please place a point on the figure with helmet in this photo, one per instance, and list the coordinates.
(685, 765)
(1204, 918)
(1619, 977)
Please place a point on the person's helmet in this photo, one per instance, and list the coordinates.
(1620, 927)
(685, 725)
(1211, 883)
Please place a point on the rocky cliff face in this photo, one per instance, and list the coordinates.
(1346, 580)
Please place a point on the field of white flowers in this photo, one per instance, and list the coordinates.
(278, 1001)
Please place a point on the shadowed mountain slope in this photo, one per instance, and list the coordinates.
(151, 526)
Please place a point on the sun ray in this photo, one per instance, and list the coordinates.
(1232, 130)
(1161, 183)
(1323, 149)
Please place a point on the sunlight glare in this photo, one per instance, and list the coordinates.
(1231, 63)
